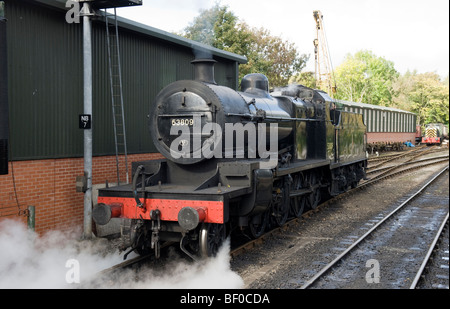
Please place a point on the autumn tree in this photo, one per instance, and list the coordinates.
(266, 54)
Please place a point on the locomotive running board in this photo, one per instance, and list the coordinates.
(301, 166)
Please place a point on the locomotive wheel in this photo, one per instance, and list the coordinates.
(281, 206)
(298, 202)
(257, 224)
(313, 198)
(211, 239)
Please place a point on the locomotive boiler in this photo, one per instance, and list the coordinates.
(235, 160)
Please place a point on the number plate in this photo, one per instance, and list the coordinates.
(182, 122)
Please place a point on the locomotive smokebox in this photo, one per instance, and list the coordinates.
(204, 70)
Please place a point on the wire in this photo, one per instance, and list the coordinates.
(20, 212)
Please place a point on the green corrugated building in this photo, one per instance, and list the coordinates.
(45, 78)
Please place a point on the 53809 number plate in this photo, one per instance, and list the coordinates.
(183, 122)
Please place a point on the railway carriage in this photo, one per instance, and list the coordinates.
(387, 128)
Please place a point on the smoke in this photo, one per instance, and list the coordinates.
(60, 260)
(29, 261)
(213, 273)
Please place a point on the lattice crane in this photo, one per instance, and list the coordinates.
(323, 67)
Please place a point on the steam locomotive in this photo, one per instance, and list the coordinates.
(235, 161)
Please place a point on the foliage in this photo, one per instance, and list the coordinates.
(304, 78)
(423, 94)
(266, 54)
(366, 78)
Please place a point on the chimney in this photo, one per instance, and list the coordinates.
(204, 70)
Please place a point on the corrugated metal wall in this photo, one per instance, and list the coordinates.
(45, 75)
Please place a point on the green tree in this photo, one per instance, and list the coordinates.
(424, 94)
(304, 78)
(366, 78)
(266, 54)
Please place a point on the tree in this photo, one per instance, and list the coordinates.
(366, 78)
(266, 54)
(218, 27)
(304, 78)
(279, 60)
(425, 95)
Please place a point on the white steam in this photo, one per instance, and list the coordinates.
(30, 261)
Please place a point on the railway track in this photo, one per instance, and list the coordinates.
(381, 160)
(339, 272)
(434, 271)
(377, 162)
(400, 165)
(103, 277)
(402, 168)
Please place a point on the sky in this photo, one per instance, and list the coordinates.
(413, 34)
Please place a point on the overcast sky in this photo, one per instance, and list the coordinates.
(414, 34)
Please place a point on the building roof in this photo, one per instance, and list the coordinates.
(157, 33)
(370, 106)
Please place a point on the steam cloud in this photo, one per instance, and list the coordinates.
(30, 261)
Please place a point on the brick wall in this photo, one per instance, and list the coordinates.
(49, 185)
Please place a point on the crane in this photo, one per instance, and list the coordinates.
(323, 66)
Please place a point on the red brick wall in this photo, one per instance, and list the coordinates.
(49, 185)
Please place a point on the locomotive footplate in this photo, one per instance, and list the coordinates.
(169, 210)
(169, 206)
(211, 204)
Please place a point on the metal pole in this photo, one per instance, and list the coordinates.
(87, 59)
(31, 218)
(4, 114)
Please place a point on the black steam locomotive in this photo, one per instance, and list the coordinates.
(234, 161)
